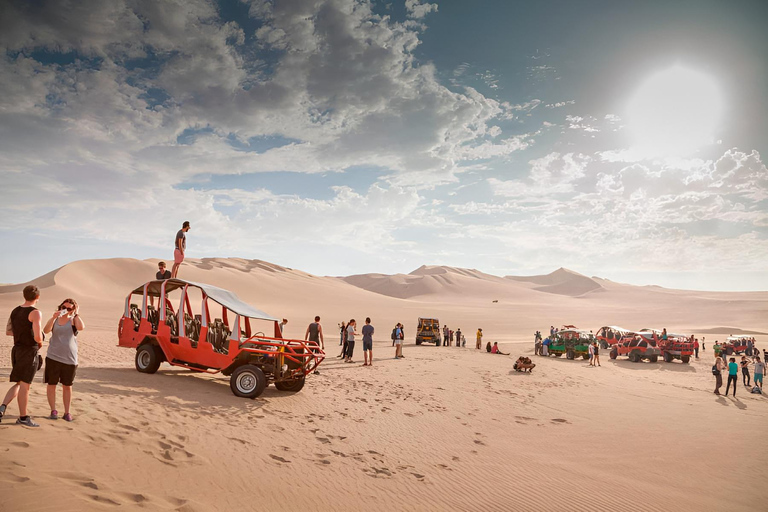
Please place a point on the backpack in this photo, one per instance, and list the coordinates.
(715, 371)
(756, 390)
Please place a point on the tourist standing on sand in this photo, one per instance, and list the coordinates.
(180, 247)
(591, 355)
(398, 341)
(717, 349)
(744, 371)
(282, 325)
(696, 347)
(545, 346)
(597, 353)
(703, 347)
(718, 371)
(350, 341)
(759, 372)
(25, 325)
(315, 333)
(368, 343)
(343, 340)
(61, 359)
(733, 373)
(445, 335)
(458, 337)
(161, 275)
(479, 338)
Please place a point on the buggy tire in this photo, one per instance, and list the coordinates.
(570, 355)
(685, 359)
(634, 356)
(418, 342)
(668, 357)
(247, 381)
(653, 359)
(293, 386)
(148, 358)
(557, 354)
(585, 356)
(613, 354)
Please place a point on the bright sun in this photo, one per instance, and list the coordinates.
(674, 112)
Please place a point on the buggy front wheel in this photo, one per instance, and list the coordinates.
(247, 381)
(148, 358)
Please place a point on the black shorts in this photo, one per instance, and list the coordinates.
(24, 361)
(56, 372)
(367, 345)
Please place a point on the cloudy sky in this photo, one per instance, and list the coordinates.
(617, 138)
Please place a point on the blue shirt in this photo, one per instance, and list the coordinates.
(368, 332)
(733, 369)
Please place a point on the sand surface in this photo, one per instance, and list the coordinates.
(444, 429)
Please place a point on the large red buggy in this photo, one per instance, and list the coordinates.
(230, 344)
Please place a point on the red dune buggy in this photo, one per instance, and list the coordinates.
(230, 343)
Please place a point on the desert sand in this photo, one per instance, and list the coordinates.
(443, 429)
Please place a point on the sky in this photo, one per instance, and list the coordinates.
(621, 139)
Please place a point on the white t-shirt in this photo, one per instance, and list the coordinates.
(351, 333)
(759, 368)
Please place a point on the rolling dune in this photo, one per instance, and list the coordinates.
(443, 429)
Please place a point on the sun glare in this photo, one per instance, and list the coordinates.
(674, 112)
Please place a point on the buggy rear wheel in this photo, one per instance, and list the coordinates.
(247, 381)
(685, 359)
(585, 356)
(418, 342)
(613, 353)
(291, 385)
(634, 356)
(653, 359)
(148, 358)
(570, 355)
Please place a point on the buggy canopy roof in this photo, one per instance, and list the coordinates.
(219, 295)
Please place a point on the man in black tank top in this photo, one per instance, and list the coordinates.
(315, 333)
(25, 325)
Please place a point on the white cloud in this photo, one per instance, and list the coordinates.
(417, 9)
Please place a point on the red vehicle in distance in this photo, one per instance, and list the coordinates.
(610, 335)
(737, 344)
(637, 346)
(232, 344)
(676, 346)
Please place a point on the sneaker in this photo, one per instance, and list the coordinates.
(68, 417)
(27, 423)
(316, 372)
(54, 415)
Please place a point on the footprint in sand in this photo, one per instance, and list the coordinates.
(477, 441)
(279, 459)
(107, 501)
(559, 420)
(20, 444)
(418, 476)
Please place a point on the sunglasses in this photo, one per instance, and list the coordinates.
(65, 307)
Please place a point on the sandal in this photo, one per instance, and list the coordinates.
(68, 417)
(54, 415)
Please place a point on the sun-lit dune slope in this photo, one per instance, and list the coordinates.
(507, 308)
(562, 282)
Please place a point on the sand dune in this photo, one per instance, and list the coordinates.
(444, 429)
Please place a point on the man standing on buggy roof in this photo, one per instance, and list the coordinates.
(180, 247)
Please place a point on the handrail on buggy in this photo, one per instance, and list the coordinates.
(309, 359)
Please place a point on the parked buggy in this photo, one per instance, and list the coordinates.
(231, 344)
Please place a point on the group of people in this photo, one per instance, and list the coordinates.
(733, 372)
(449, 335)
(25, 324)
(347, 333)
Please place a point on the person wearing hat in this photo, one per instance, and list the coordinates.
(180, 248)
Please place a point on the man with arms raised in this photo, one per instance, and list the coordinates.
(25, 325)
